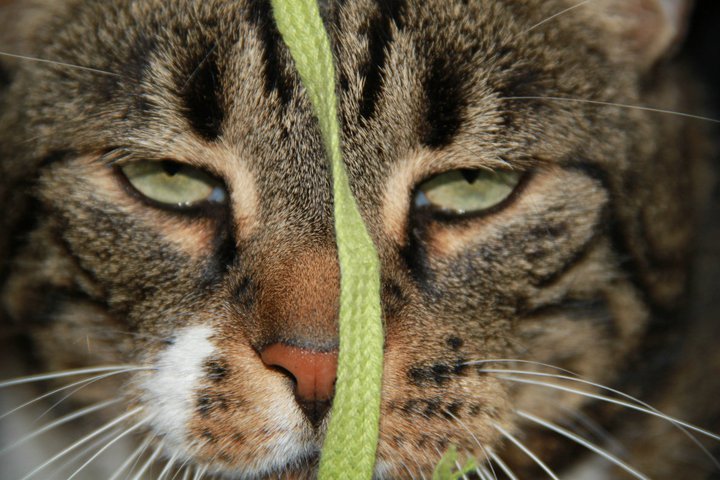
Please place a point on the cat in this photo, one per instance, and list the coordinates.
(167, 235)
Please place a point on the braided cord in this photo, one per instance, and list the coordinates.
(351, 442)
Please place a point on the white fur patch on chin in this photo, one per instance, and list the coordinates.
(169, 392)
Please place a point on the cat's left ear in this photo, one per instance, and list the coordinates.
(647, 30)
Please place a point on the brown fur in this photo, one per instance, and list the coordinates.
(584, 267)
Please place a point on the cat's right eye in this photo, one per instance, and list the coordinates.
(173, 184)
(466, 192)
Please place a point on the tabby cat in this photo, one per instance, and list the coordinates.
(168, 248)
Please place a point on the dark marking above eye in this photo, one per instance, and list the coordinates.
(389, 14)
(276, 78)
(201, 93)
(446, 101)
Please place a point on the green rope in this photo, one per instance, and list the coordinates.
(351, 442)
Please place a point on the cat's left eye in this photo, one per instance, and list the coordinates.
(461, 192)
(173, 184)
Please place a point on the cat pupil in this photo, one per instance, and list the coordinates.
(171, 168)
(470, 176)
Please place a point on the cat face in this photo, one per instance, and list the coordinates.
(176, 209)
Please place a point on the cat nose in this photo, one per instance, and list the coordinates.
(313, 373)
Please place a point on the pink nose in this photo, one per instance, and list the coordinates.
(313, 372)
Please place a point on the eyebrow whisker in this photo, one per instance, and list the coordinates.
(61, 64)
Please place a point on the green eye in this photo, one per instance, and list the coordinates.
(462, 192)
(173, 184)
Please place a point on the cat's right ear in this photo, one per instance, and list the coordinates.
(644, 31)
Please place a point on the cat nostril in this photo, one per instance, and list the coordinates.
(313, 373)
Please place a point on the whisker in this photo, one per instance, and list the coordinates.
(556, 15)
(485, 473)
(616, 402)
(166, 471)
(476, 440)
(503, 466)
(79, 456)
(84, 440)
(61, 64)
(183, 466)
(576, 378)
(186, 476)
(613, 104)
(472, 363)
(590, 446)
(149, 462)
(60, 421)
(133, 457)
(73, 392)
(489, 463)
(64, 373)
(107, 446)
(525, 450)
(594, 429)
(66, 387)
(200, 473)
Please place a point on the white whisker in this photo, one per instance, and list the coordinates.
(556, 15)
(185, 466)
(61, 64)
(577, 379)
(149, 462)
(565, 433)
(84, 440)
(83, 453)
(503, 466)
(526, 451)
(612, 104)
(200, 473)
(60, 421)
(512, 360)
(107, 446)
(166, 471)
(485, 474)
(489, 464)
(616, 402)
(65, 373)
(596, 430)
(66, 387)
(133, 457)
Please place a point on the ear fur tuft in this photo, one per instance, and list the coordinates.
(648, 30)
